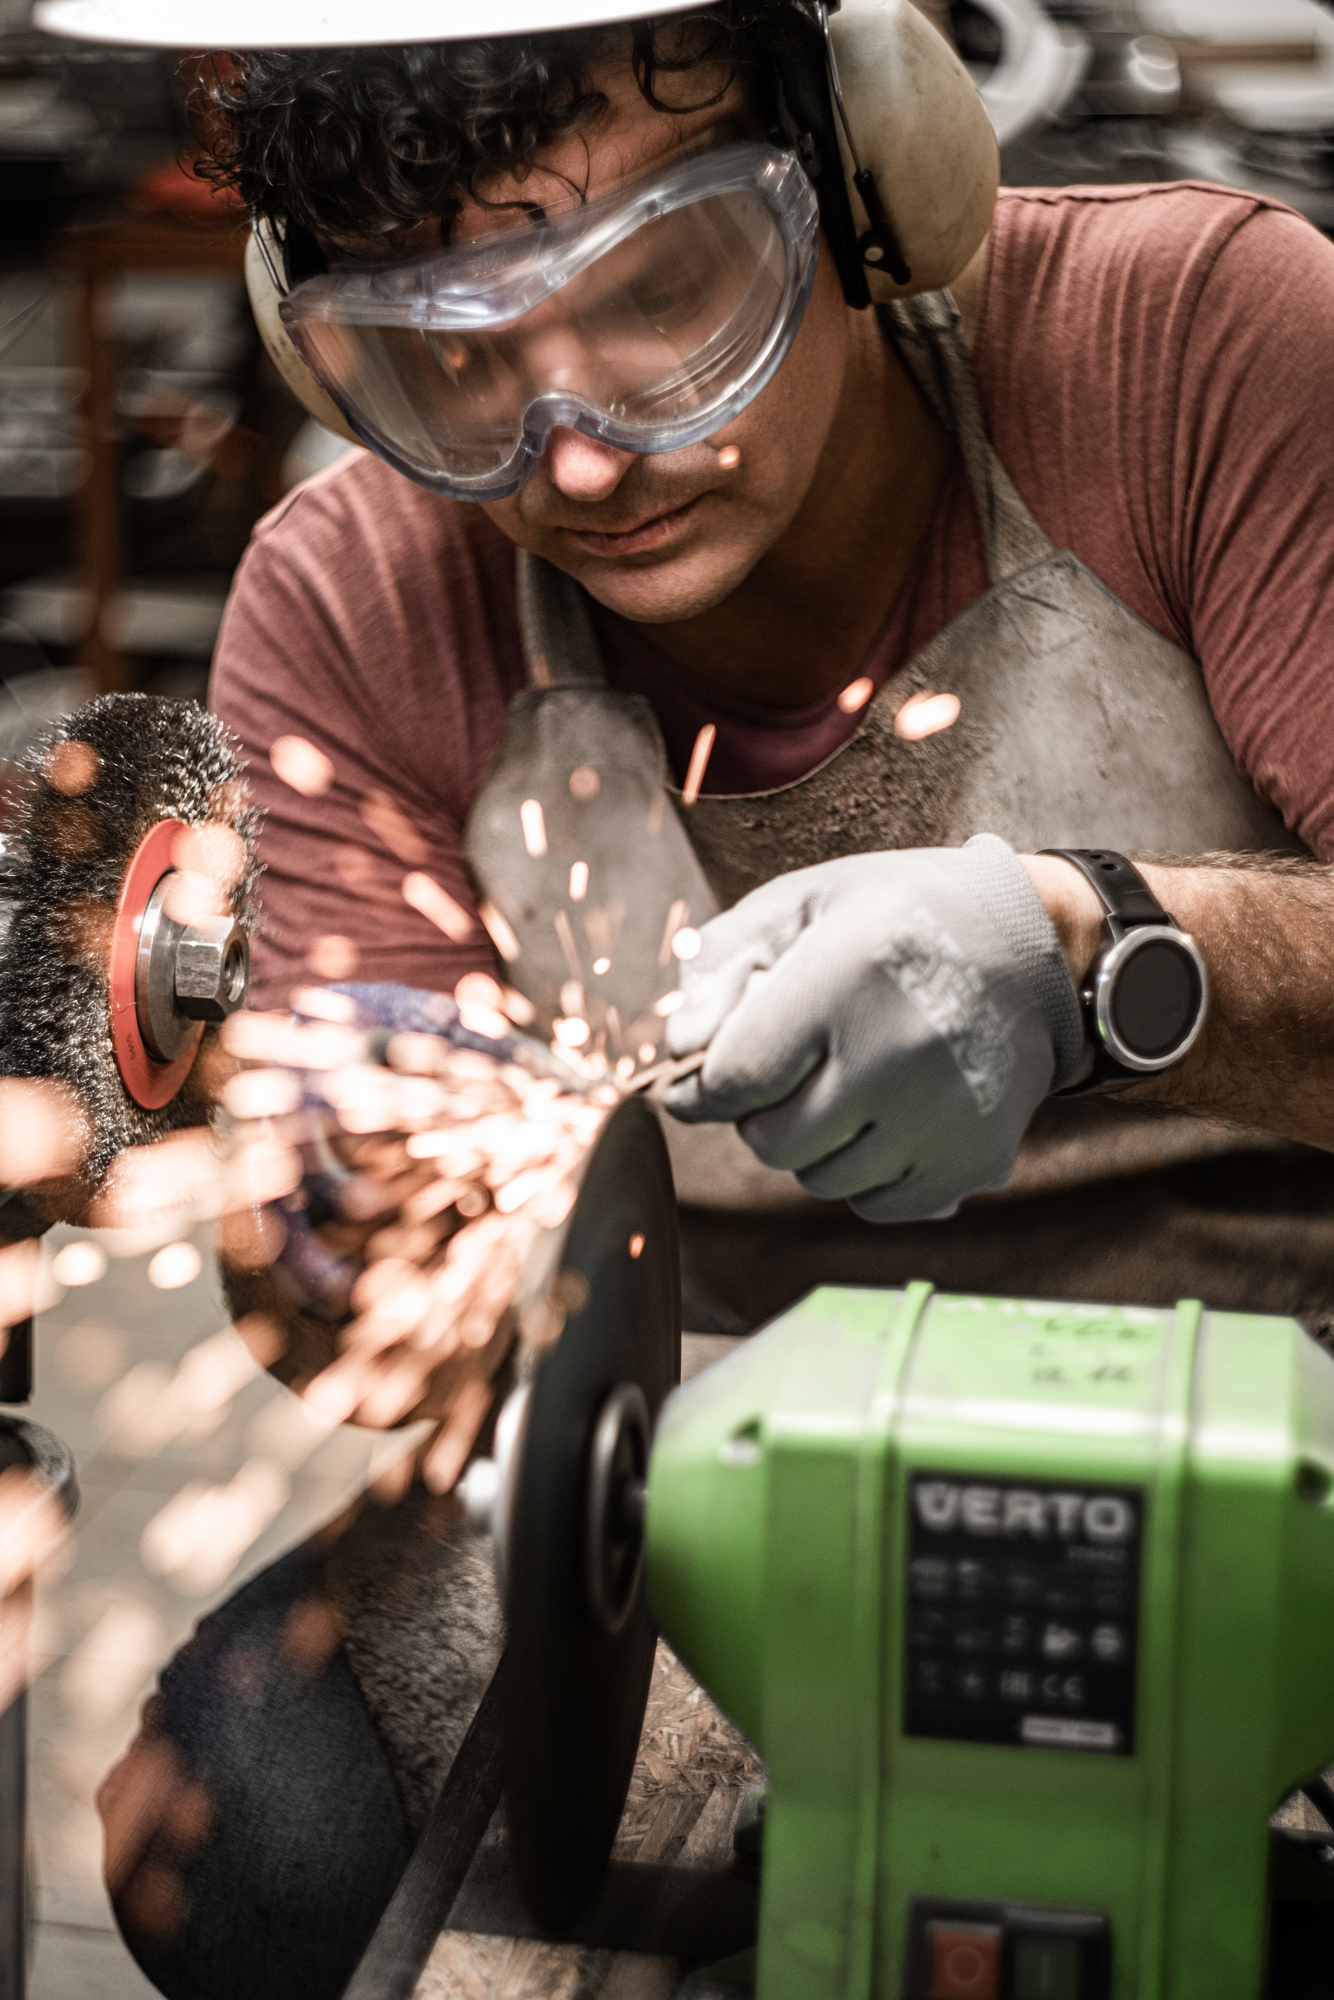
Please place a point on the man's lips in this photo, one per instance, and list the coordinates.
(649, 534)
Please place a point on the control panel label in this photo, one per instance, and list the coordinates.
(1021, 1607)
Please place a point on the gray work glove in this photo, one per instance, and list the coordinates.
(884, 1025)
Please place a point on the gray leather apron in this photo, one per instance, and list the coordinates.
(1079, 726)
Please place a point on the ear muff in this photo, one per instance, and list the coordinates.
(265, 299)
(922, 131)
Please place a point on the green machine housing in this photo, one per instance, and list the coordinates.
(1029, 1609)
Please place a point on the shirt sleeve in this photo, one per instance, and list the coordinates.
(327, 640)
(1252, 509)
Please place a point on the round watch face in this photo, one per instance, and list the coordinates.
(1149, 997)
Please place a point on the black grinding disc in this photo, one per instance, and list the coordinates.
(577, 1693)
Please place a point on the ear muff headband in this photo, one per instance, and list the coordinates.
(926, 156)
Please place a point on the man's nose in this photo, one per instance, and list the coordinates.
(582, 468)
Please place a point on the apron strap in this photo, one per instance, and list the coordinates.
(928, 337)
(560, 645)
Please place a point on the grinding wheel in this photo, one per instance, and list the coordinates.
(580, 1644)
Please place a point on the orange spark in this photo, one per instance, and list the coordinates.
(565, 938)
(176, 1264)
(81, 1263)
(578, 881)
(533, 821)
(585, 784)
(332, 957)
(699, 758)
(300, 765)
(43, 1131)
(499, 932)
(318, 1005)
(856, 694)
(678, 915)
(637, 1244)
(424, 894)
(926, 715)
(479, 989)
(393, 826)
(72, 768)
(686, 943)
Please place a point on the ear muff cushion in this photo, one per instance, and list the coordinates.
(922, 129)
(264, 304)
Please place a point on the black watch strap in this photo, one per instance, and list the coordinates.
(1131, 907)
(1126, 896)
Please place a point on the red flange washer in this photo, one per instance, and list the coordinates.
(150, 1083)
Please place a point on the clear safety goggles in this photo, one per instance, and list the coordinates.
(648, 318)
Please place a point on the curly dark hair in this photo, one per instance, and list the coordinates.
(362, 141)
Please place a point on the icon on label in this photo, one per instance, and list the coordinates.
(1061, 1642)
(1014, 1635)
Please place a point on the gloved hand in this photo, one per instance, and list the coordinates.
(883, 1025)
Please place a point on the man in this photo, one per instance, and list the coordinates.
(841, 582)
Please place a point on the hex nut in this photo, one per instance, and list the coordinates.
(212, 969)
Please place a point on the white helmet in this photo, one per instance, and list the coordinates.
(323, 24)
(918, 151)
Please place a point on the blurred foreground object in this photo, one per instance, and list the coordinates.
(129, 882)
(37, 1497)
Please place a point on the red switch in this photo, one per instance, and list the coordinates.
(965, 1961)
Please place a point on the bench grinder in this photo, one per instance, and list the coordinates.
(1029, 1609)
(1027, 1606)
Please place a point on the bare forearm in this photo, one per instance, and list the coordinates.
(1266, 1056)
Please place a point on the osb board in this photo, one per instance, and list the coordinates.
(690, 1777)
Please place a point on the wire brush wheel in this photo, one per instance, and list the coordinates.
(100, 781)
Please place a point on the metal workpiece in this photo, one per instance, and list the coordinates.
(185, 974)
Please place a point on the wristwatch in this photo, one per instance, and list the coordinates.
(1146, 992)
